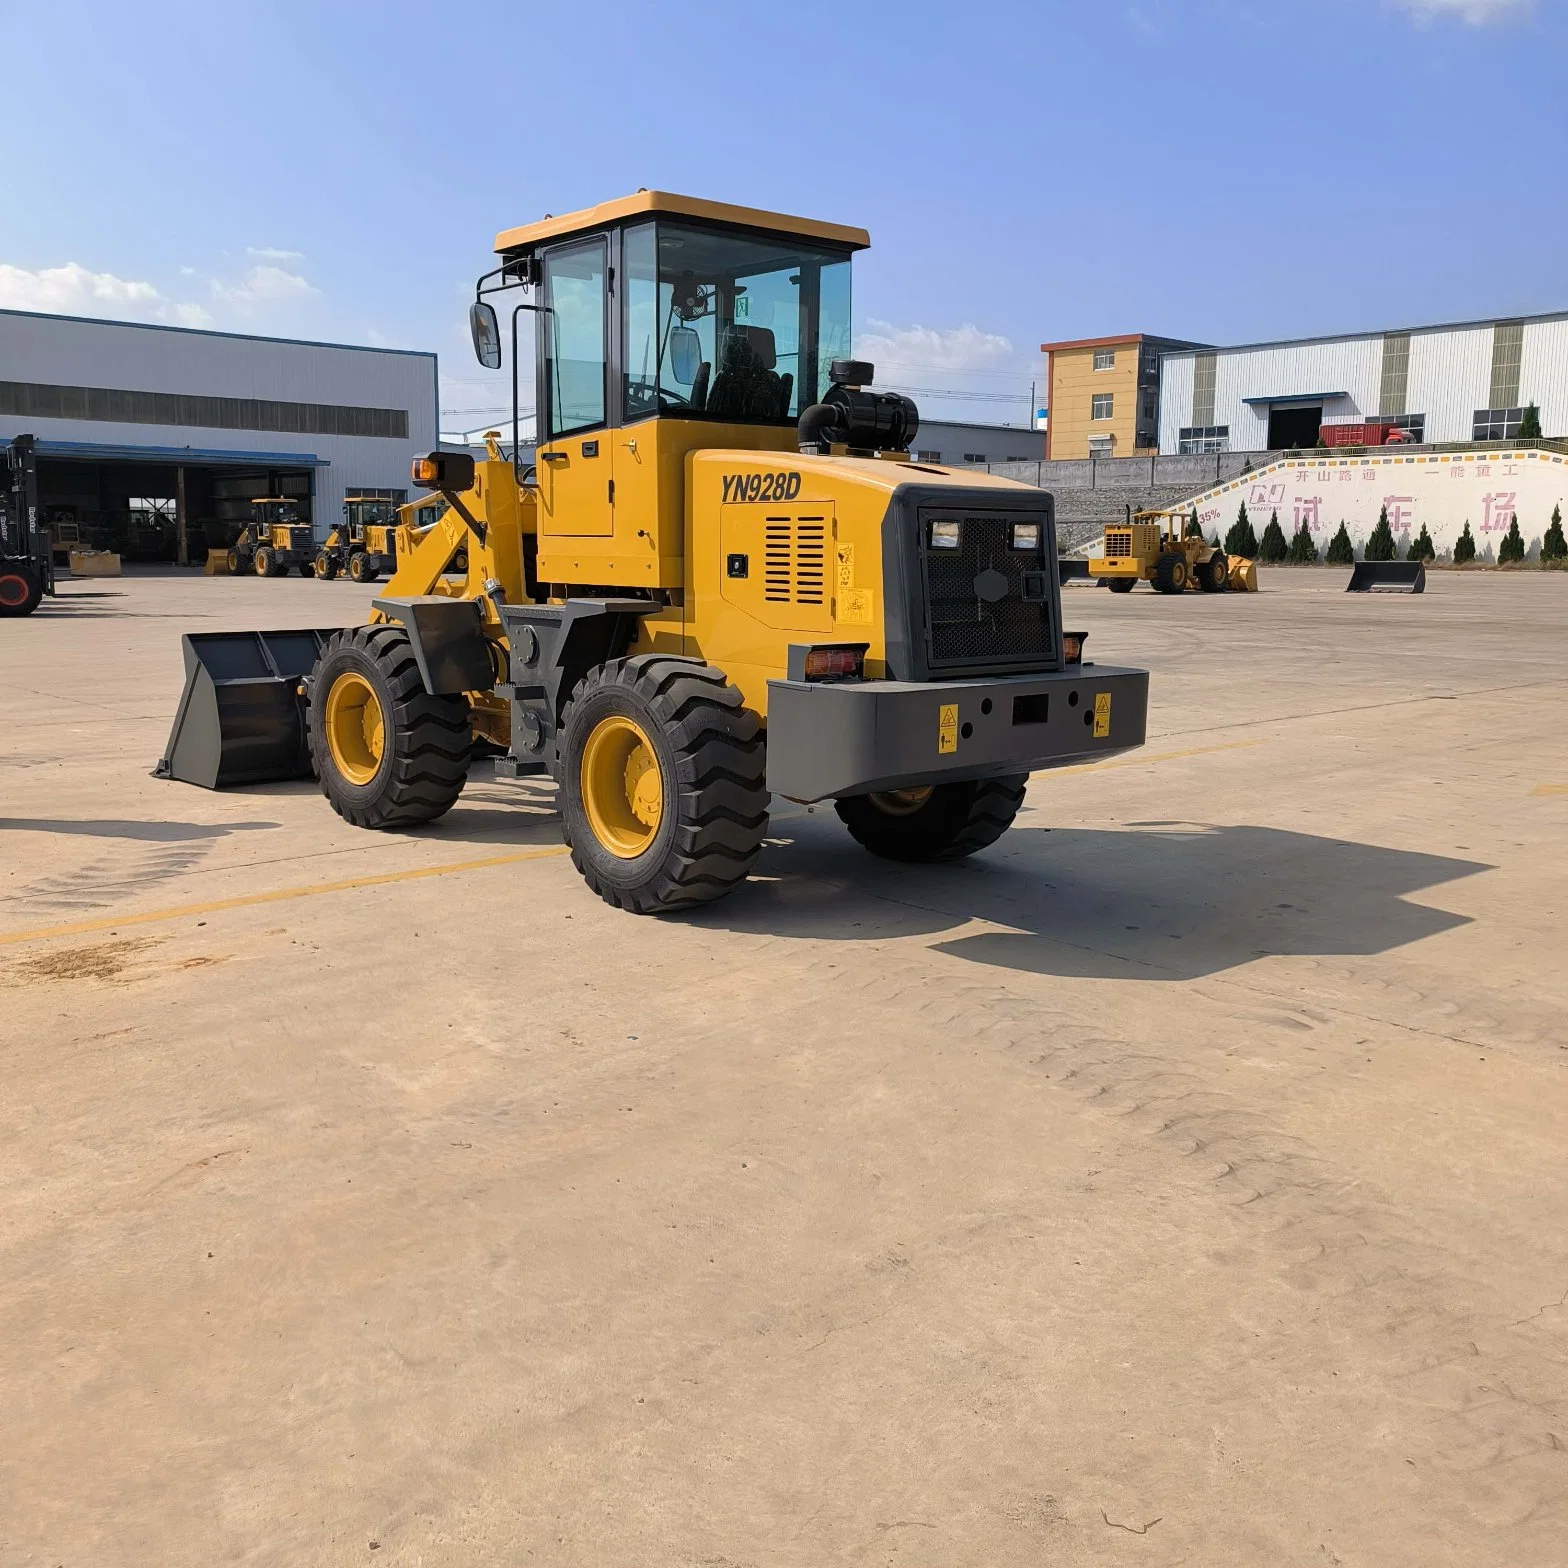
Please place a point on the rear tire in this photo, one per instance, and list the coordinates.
(661, 769)
(387, 753)
(1214, 574)
(1170, 573)
(1120, 584)
(236, 563)
(946, 822)
(21, 589)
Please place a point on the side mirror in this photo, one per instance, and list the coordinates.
(486, 332)
(685, 354)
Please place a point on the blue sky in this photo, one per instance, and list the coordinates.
(1225, 170)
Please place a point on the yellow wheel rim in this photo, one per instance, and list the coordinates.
(901, 802)
(355, 728)
(622, 787)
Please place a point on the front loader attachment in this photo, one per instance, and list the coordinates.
(241, 719)
(1243, 575)
(1387, 577)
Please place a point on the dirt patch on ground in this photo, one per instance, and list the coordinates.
(101, 961)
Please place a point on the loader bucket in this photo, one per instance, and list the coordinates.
(241, 719)
(1387, 577)
(1243, 575)
(1072, 568)
(217, 563)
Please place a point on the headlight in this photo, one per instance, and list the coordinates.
(1026, 536)
(944, 535)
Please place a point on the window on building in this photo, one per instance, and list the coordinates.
(974, 457)
(1496, 424)
(1414, 425)
(1102, 446)
(1203, 438)
(1151, 404)
(1396, 373)
(1105, 359)
(1203, 375)
(1507, 349)
(928, 457)
(1102, 405)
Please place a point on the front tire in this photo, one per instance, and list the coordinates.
(938, 822)
(326, 566)
(360, 569)
(1214, 574)
(387, 753)
(21, 589)
(661, 769)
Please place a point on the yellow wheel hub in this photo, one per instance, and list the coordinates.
(622, 787)
(901, 802)
(355, 728)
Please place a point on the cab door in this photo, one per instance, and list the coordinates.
(576, 489)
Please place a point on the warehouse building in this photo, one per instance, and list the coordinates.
(1470, 381)
(154, 438)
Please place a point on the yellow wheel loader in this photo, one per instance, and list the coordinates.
(275, 539)
(364, 544)
(724, 579)
(1154, 547)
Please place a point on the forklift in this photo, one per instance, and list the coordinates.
(26, 556)
(364, 544)
(274, 539)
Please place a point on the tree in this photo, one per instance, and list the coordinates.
(1214, 540)
(1553, 546)
(1303, 551)
(1340, 551)
(1241, 540)
(1194, 529)
(1464, 547)
(1380, 546)
(1530, 424)
(1272, 548)
(1512, 547)
(1422, 549)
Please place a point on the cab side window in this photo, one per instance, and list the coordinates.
(575, 361)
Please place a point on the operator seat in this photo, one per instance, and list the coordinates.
(747, 386)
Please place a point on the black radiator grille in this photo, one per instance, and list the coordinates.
(965, 627)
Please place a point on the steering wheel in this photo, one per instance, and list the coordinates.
(673, 399)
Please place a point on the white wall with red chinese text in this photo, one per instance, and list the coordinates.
(1442, 490)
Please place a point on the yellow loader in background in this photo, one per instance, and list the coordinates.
(1155, 547)
(724, 579)
(275, 538)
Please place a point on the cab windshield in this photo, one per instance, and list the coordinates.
(733, 327)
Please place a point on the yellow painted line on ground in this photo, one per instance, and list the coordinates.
(1550, 789)
(1144, 760)
(277, 896)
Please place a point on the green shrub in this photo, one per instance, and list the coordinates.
(1340, 551)
(1553, 546)
(1272, 547)
(1194, 529)
(1464, 547)
(1511, 550)
(1380, 546)
(1530, 424)
(1303, 552)
(1214, 540)
(1423, 549)
(1241, 540)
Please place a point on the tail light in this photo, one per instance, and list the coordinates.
(834, 661)
(1072, 647)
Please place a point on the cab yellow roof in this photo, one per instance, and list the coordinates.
(608, 212)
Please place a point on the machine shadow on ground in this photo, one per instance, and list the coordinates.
(149, 832)
(1158, 901)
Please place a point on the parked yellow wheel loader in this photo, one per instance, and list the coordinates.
(724, 580)
(1154, 547)
(274, 539)
(364, 544)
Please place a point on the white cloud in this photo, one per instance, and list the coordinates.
(264, 286)
(1478, 13)
(75, 290)
(931, 348)
(269, 253)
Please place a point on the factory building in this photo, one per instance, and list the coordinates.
(150, 435)
(1471, 381)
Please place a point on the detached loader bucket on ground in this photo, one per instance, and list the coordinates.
(1072, 568)
(1387, 577)
(241, 719)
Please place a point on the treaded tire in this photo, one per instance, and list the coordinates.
(359, 568)
(712, 760)
(1170, 573)
(1120, 584)
(424, 762)
(957, 820)
(1214, 574)
(21, 589)
(307, 569)
(326, 566)
(268, 564)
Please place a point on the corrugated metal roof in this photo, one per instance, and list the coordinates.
(1379, 332)
(108, 452)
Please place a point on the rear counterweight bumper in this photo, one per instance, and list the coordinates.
(853, 737)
